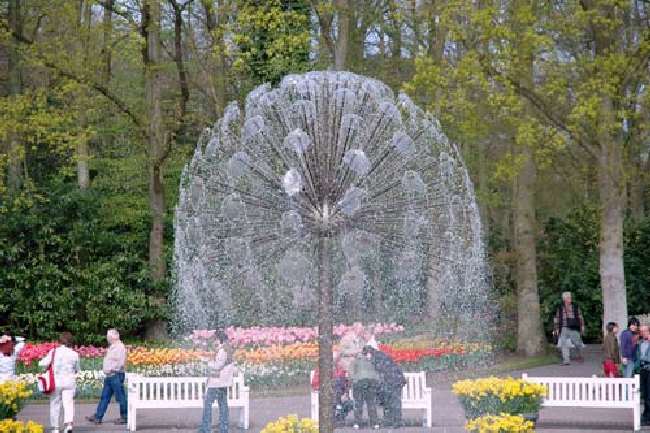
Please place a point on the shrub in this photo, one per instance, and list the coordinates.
(494, 396)
(503, 423)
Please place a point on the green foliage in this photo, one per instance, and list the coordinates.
(272, 39)
(62, 267)
(568, 261)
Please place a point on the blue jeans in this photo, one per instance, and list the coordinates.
(112, 385)
(628, 369)
(221, 396)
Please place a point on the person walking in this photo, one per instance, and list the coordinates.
(65, 365)
(629, 340)
(612, 353)
(644, 364)
(223, 369)
(392, 381)
(113, 366)
(10, 348)
(569, 326)
(365, 385)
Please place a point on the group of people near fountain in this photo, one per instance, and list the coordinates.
(373, 377)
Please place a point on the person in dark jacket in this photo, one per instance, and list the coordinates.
(612, 353)
(391, 380)
(629, 339)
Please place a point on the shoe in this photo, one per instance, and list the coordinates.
(67, 429)
(356, 426)
(565, 363)
(120, 421)
(93, 420)
(376, 427)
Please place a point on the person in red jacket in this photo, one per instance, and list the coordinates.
(342, 403)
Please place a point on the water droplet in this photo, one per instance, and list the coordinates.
(412, 182)
(352, 200)
(292, 182)
(298, 141)
(357, 161)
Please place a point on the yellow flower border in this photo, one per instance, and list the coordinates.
(503, 423)
(504, 388)
(291, 424)
(10, 426)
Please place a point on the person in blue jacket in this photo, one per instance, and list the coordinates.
(629, 340)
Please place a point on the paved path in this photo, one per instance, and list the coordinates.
(447, 412)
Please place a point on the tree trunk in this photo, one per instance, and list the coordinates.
(15, 152)
(214, 18)
(612, 202)
(343, 34)
(325, 335)
(107, 30)
(637, 183)
(83, 177)
(611, 182)
(157, 149)
(530, 338)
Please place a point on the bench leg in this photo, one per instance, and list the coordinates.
(246, 417)
(637, 417)
(429, 416)
(131, 419)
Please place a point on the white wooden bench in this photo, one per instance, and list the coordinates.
(415, 395)
(598, 392)
(180, 392)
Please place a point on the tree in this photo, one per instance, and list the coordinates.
(583, 68)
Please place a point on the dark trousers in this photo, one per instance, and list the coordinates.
(645, 393)
(112, 385)
(392, 400)
(365, 390)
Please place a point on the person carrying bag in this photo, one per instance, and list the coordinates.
(59, 381)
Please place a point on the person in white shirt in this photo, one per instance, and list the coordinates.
(113, 367)
(223, 369)
(10, 348)
(66, 365)
(371, 339)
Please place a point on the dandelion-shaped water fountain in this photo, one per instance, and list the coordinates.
(292, 202)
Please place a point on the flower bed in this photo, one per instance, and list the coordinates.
(10, 426)
(494, 396)
(268, 357)
(12, 398)
(503, 423)
(291, 424)
(268, 336)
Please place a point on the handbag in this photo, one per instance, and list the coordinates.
(45, 381)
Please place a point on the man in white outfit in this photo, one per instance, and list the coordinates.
(10, 347)
(66, 366)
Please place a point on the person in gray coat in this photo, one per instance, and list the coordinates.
(365, 384)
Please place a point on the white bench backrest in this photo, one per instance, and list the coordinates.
(416, 384)
(588, 391)
(179, 389)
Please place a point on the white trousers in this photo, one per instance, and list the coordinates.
(62, 394)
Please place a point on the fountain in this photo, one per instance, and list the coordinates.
(328, 195)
